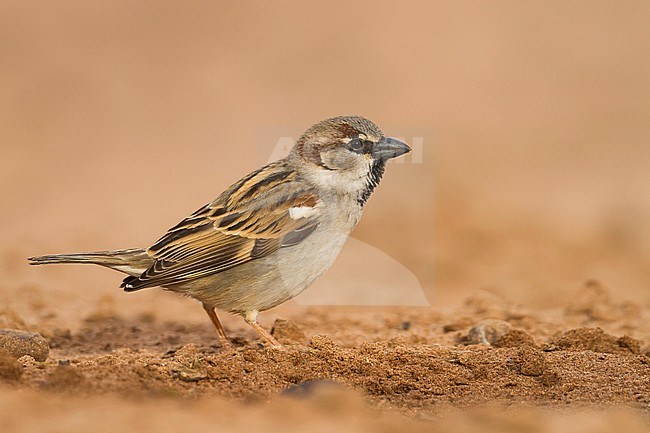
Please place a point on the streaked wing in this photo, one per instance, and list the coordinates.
(267, 210)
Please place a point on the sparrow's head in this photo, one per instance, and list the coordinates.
(347, 142)
(348, 153)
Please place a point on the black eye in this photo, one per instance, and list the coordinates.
(355, 145)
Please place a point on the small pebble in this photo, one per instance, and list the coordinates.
(308, 387)
(20, 343)
(488, 331)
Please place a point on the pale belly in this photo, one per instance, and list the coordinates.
(269, 281)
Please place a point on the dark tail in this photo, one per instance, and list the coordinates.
(132, 262)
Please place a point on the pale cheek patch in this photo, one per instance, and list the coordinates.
(301, 212)
(340, 159)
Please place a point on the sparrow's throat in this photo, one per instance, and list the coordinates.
(372, 180)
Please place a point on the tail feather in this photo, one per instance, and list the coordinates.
(132, 262)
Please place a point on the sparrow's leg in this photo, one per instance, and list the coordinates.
(251, 318)
(223, 338)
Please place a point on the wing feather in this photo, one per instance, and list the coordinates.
(249, 220)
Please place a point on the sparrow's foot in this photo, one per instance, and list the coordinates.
(251, 319)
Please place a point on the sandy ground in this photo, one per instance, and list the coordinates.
(498, 281)
(488, 364)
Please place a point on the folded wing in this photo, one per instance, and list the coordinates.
(267, 210)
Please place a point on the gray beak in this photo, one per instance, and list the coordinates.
(387, 148)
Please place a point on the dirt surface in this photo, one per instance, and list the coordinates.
(372, 367)
(499, 279)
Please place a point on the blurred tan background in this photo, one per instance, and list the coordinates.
(118, 118)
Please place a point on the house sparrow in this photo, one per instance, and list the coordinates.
(269, 236)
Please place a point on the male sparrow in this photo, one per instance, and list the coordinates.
(269, 236)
